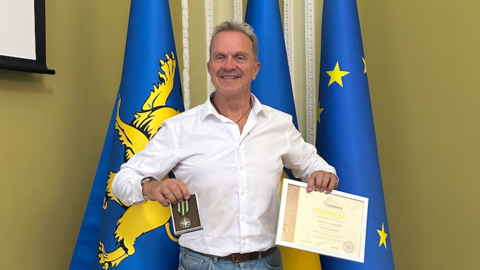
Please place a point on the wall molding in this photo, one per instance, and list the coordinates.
(310, 70)
(209, 31)
(287, 31)
(186, 56)
(238, 10)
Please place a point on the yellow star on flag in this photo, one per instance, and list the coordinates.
(319, 111)
(383, 236)
(336, 75)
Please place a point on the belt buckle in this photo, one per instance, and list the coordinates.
(238, 257)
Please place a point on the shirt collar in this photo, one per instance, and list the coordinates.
(257, 107)
(208, 108)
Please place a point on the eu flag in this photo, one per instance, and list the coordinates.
(273, 87)
(114, 234)
(345, 131)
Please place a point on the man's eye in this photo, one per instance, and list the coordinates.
(240, 58)
(220, 57)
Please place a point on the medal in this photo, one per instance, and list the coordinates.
(183, 210)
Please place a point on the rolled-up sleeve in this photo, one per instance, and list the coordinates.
(156, 160)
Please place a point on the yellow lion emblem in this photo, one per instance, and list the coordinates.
(140, 219)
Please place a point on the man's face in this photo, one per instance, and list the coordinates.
(232, 65)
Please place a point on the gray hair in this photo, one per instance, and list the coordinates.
(241, 27)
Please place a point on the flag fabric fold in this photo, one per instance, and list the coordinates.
(114, 234)
(273, 87)
(345, 129)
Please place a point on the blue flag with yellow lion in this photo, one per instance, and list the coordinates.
(114, 234)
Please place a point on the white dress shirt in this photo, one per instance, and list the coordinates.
(236, 175)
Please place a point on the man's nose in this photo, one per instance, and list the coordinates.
(229, 64)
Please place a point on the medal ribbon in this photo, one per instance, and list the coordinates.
(183, 207)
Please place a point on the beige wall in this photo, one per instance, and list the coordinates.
(423, 66)
(423, 61)
(52, 132)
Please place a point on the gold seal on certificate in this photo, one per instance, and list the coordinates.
(330, 224)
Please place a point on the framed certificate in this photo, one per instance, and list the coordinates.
(329, 224)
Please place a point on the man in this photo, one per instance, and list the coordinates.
(231, 151)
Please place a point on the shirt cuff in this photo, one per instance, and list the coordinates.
(144, 180)
(137, 188)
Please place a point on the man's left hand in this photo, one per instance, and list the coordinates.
(322, 181)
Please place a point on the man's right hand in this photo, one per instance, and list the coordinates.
(170, 189)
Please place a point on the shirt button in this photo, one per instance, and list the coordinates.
(241, 167)
(243, 193)
(243, 218)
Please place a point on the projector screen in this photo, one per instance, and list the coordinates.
(22, 36)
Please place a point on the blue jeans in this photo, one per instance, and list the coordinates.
(190, 260)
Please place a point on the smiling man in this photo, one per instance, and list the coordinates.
(231, 151)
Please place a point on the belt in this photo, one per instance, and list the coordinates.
(239, 257)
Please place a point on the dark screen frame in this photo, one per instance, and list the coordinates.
(28, 65)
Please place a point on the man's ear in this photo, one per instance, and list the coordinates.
(208, 68)
(256, 69)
